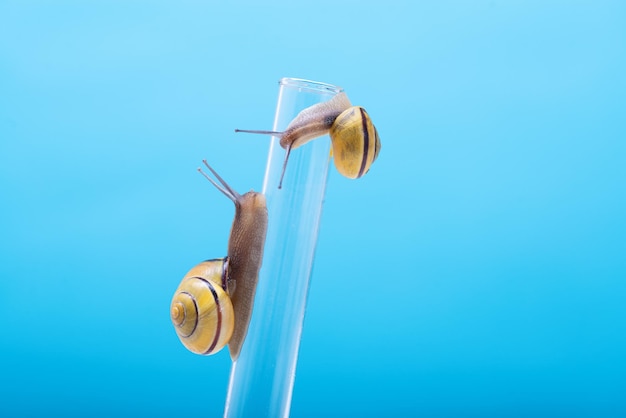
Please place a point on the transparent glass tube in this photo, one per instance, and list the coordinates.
(262, 378)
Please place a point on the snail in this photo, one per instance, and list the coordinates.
(355, 141)
(212, 305)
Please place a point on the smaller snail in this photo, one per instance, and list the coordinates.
(355, 141)
(212, 305)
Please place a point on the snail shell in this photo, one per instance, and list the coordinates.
(201, 310)
(355, 142)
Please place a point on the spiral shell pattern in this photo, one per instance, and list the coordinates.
(201, 310)
(355, 142)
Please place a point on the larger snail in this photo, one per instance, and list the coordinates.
(355, 141)
(213, 303)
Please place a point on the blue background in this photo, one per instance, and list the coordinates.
(479, 269)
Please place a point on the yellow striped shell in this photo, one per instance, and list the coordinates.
(201, 310)
(355, 142)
